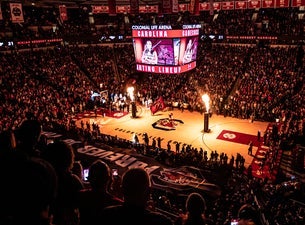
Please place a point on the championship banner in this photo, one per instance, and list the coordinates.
(183, 7)
(152, 9)
(1, 17)
(268, 3)
(63, 13)
(196, 9)
(216, 5)
(134, 6)
(16, 13)
(254, 4)
(297, 3)
(211, 7)
(241, 4)
(123, 9)
(112, 7)
(204, 6)
(166, 6)
(175, 6)
(192, 6)
(281, 3)
(227, 5)
(149, 9)
(96, 9)
(142, 9)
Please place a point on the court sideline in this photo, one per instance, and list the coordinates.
(188, 130)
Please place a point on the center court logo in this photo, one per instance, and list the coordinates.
(167, 124)
(229, 135)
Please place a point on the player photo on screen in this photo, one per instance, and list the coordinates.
(165, 52)
(154, 51)
(149, 54)
(190, 50)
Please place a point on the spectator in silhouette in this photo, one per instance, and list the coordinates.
(78, 170)
(28, 192)
(65, 209)
(250, 148)
(93, 199)
(153, 144)
(136, 192)
(146, 139)
(195, 208)
(136, 139)
(258, 135)
(177, 147)
(248, 215)
(27, 138)
(7, 142)
(159, 140)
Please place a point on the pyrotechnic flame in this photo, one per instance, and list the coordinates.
(206, 100)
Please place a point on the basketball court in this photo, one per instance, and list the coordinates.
(225, 134)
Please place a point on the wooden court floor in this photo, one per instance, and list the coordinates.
(189, 132)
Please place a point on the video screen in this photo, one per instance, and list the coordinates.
(165, 51)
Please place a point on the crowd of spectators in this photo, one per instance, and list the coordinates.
(39, 83)
(52, 85)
